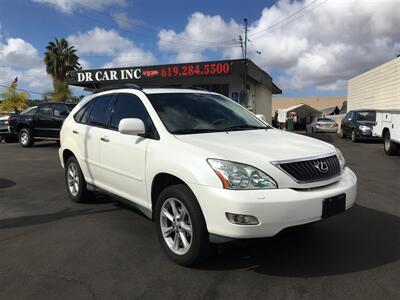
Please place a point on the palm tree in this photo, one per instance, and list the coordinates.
(60, 58)
(13, 100)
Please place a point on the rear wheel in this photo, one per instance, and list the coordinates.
(75, 182)
(181, 227)
(26, 138)
(391, 148)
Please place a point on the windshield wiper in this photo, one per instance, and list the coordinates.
(194, 130)
(244, 126)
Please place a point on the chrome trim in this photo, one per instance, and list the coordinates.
(288, 161)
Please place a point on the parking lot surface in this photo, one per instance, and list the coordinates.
(51, 248)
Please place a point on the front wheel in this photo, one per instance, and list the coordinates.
(354, 137)
(181, 227)
(391, 148)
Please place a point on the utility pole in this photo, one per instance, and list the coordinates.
(241, 45)
(244, 95)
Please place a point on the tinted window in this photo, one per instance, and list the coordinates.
(60, 110)
(45, 110)
(129, 106)
(29, 111)
(82, 116)
(98, 115)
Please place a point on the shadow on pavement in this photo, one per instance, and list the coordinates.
(47, 218)
(358, 240)
(325, 137)
(6, 183)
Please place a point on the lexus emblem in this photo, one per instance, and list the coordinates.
(322, 167)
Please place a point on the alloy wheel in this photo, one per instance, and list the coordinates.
(176, 226)
(73, 179)
(24, 138)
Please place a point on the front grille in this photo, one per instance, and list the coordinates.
(313, 170)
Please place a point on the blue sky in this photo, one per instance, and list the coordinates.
(305, 51)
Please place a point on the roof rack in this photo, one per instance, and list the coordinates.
(116, 86)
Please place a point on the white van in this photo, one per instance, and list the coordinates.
(388, 127)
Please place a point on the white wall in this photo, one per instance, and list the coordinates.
(378, 88)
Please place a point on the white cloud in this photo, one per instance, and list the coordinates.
(18, 58)
(323, 48)
(17, 52)
(123, 52)
(125, 22)
(35, 79)
(68, 6)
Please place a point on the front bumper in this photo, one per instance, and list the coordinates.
(5, 131)
(274, 209)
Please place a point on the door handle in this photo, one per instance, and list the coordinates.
(105, 139)
(75, 132)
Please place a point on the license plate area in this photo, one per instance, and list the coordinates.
(333, 206)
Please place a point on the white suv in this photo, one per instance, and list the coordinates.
(202, 166)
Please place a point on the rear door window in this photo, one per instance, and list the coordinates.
(45, 110)
(60, 110)
(100, 110)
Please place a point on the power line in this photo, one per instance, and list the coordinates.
(145, 27)
(282, 21)
(22, 90)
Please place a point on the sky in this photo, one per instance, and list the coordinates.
(309, 47)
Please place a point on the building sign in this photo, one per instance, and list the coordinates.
(147, 74)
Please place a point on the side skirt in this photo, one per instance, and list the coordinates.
(147, 212)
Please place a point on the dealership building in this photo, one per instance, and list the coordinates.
(378, 88)
(227, 77)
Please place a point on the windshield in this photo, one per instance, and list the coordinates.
(29, 111)
(188, 113)
(366, 116)
(325, 120)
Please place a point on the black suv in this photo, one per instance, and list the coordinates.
(44, 124)
(358, 125)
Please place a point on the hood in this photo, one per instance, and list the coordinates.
(249, 146)
(366, 123)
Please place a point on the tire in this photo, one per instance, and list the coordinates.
(193, 221)
(391, 148)
(75, 182)
(342, 134)
(354, 137)
(26, 138)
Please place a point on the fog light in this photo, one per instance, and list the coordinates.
(241, 219)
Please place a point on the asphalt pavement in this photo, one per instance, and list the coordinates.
(52, 248)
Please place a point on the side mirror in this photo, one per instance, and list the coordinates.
(131, 126)
(261, 117)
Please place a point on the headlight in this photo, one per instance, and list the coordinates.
(364, 128)
(237, 176)
(341, 159)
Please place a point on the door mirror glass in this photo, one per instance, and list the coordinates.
(261, 117)
(131, 126)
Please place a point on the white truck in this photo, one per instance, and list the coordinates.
(388, 127)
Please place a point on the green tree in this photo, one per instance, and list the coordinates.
(60, 58)
(14, 100)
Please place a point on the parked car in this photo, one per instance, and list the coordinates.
(40, 123)
(322, 125)
(200, 165)
(357, 124)
(5, 133)
(387, 126)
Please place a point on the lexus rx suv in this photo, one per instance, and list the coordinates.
(204, 168)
